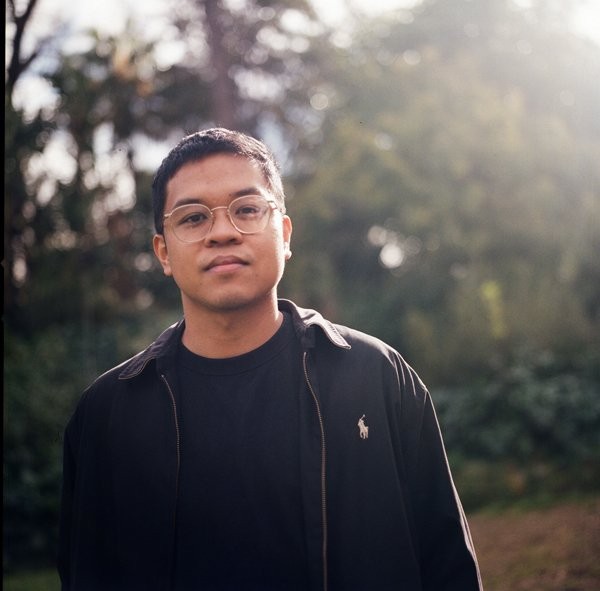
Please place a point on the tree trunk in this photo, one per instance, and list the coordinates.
(223, 93)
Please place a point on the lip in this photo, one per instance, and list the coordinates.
(225, 263)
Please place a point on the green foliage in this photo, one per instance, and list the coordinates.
(530, 430)
(38, 392)
(43, 379)
(455, 193)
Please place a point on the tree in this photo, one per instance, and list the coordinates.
(260, 61)
(456, 188)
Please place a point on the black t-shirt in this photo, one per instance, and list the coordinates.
(239, 515)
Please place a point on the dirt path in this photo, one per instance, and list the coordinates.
(556, 549)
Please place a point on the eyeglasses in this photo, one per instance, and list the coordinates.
(249, 214)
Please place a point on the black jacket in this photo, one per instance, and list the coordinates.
(380, 508)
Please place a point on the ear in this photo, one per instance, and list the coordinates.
(160, 250)
(287, 236)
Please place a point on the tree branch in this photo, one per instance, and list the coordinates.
(18, 64)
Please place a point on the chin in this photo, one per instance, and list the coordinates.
(238, 303)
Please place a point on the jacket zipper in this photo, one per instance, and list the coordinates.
(178, 453)
(177, 436)
(323, 471)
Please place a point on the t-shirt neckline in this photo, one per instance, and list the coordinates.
(240, 363)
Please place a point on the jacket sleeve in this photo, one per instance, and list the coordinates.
(447, 555)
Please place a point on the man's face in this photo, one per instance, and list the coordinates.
(226, 270)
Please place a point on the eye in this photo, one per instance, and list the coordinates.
(249, 208)
(192, 218)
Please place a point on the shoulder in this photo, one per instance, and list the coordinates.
(115, 378)
(309, 324)
(366, 343)
(369, 353)
(359, 353)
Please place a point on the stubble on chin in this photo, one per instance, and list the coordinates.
(231, 303)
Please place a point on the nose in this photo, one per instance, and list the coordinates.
(221, 229)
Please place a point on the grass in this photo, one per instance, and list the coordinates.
(46, 580)
(546, 549)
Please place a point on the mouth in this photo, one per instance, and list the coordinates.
(224, 264)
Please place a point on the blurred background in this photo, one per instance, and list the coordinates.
(442, 167)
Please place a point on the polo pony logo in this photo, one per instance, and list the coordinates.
(363, 429)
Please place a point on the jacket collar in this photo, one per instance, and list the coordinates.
(305, 319)
(305, 322)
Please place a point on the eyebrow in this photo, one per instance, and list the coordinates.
(239, 193)
(249, 191)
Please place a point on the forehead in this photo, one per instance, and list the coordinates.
(214, 179)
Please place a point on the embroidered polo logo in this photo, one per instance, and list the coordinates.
(363, 429)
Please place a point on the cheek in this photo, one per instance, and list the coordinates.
(182, 262)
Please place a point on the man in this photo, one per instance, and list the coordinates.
(254, 445)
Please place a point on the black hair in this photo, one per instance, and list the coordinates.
(205, 143)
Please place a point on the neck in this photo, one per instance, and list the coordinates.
(220, 335)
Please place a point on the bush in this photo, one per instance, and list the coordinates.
(533, 429)
(43, 379)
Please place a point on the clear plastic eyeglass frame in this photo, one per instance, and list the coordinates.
(248, 214)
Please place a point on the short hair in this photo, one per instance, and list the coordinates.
(202, 144)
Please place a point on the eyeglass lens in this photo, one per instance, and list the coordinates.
(248, 214)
